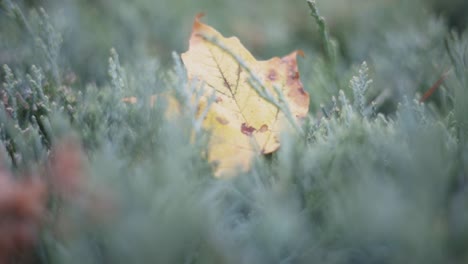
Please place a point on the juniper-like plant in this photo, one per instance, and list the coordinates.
(374, 176)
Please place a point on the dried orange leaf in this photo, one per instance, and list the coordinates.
(243, 124)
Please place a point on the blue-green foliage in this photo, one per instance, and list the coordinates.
(375, 177)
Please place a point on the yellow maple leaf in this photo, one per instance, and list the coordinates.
(243, 124)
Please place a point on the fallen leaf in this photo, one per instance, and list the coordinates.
(242, 123)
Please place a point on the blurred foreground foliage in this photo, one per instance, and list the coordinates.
(377, 176)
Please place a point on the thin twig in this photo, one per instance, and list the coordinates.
(328, 44)
(434, 87)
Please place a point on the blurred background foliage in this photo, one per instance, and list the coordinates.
(376, 177)
(393, 33)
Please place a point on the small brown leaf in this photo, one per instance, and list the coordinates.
(434, 87)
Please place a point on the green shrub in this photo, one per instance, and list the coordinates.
(377, 176)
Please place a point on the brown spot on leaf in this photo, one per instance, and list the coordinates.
(222, 120)
(272, 75)
(299, 96)
(246, 129)
(301, 90)
(293, 77)
(263, 128)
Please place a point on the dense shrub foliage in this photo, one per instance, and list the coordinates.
(377, 175)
